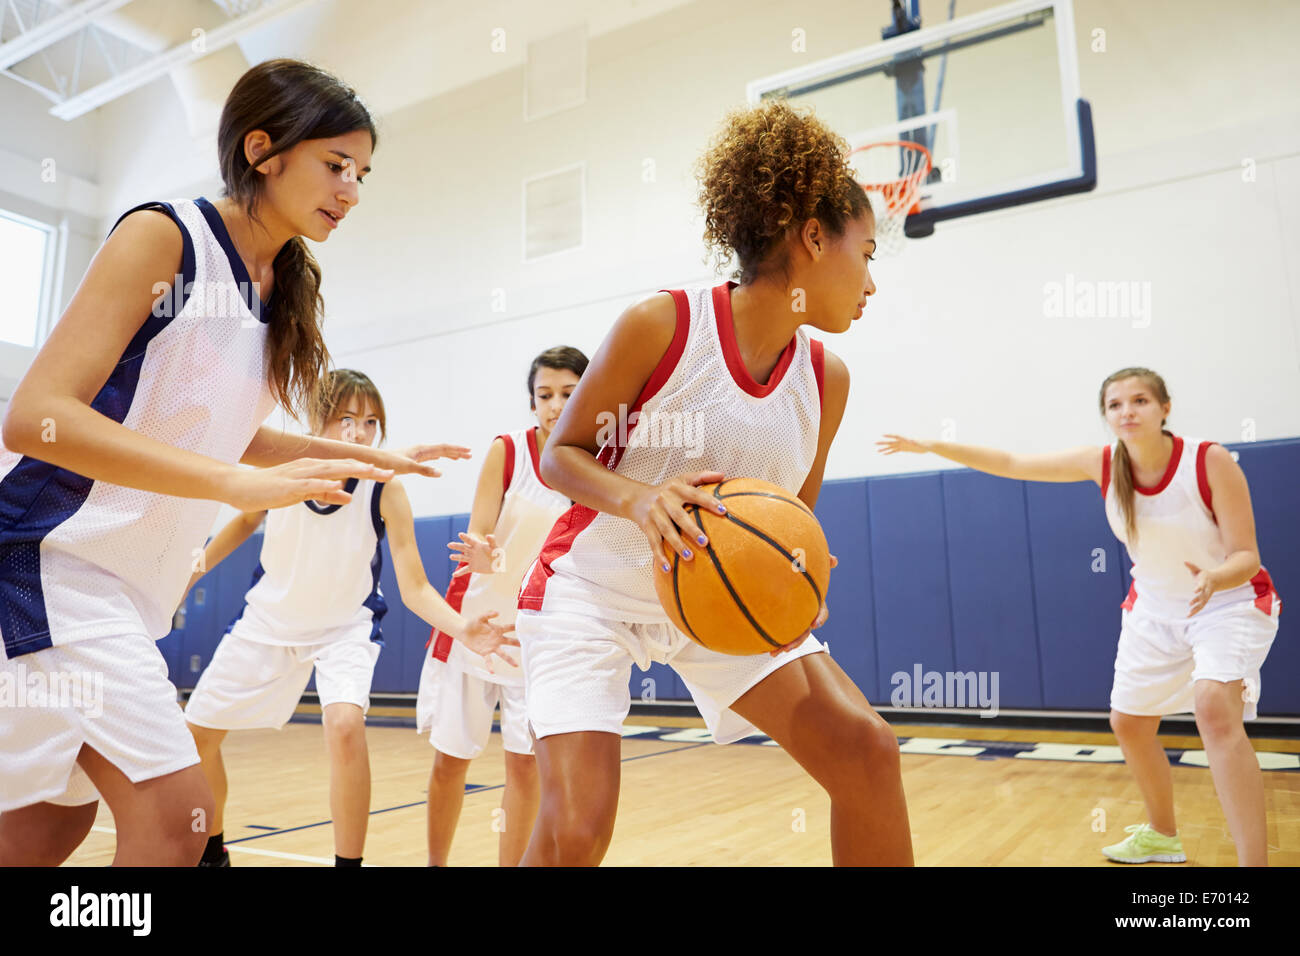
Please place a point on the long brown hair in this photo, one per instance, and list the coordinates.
(290, 101)
(1121, 470)
(339, 386)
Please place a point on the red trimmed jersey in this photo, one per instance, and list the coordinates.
(701, 410)
(529, 508)
(1176, 523)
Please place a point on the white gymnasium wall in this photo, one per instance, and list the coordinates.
(957, 341)
(427, 293)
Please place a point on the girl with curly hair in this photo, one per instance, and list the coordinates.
(779, 197)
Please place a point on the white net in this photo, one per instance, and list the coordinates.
(891, 174)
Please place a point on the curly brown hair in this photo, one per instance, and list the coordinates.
(773, 167)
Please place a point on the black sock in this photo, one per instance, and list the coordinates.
(213, 852)
(346, 861)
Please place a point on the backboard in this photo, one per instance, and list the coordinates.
(993, 95)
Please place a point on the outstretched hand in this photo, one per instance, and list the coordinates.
(476, 555)
(410, 460)
(893, 444)
(487, 639)
(303, 479)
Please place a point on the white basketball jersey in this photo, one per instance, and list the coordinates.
(83, 558)
(529, 509)
(319, 569)
(1176, 523)
(701, 410)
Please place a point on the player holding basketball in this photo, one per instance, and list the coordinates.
(1200, 616)
(315, 603)
(765, 402)
(124, 435)
(514, 510)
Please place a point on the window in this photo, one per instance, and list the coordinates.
(24, 251)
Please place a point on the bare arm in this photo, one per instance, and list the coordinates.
(835, 396)
(490, 491)
(1074, 464)
(142, 256)
(225, 542)
(413, 584)
(50, 415)
(272, 446)
(614, 379)
(1230, 496)
(477, 548)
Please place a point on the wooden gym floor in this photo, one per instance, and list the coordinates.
(687, 803)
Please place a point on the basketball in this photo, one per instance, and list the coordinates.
(762, 578)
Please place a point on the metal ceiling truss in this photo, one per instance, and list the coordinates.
(91, 51)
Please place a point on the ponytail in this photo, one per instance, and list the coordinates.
(297, 357)
(1121, 472)
(290, 101)
(1121, 475)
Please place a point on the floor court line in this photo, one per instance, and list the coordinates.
(254, 851)
(420, 803)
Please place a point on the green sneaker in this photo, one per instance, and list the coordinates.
(1146, 845)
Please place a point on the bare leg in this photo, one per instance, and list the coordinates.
(817, 714)
(1149, 765)
(44, 834)
(446, 796)
(580, 775)
(519, 803)
(1237, 778)
(160, 822)
(208, 742)
(345, 741)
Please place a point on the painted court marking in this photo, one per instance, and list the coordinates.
(982, 749)
(696, 737)
(254, 851)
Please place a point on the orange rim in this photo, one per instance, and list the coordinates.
(898, 193)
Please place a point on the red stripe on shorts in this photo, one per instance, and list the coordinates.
(455, 597)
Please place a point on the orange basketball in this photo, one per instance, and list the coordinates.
(762, 578)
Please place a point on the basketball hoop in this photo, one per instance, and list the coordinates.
(878, 167)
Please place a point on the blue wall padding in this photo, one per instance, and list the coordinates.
(951, 570)
(850, 631)
(992, 584)
(909, 560)
(1273, 470)
(1077, 609)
